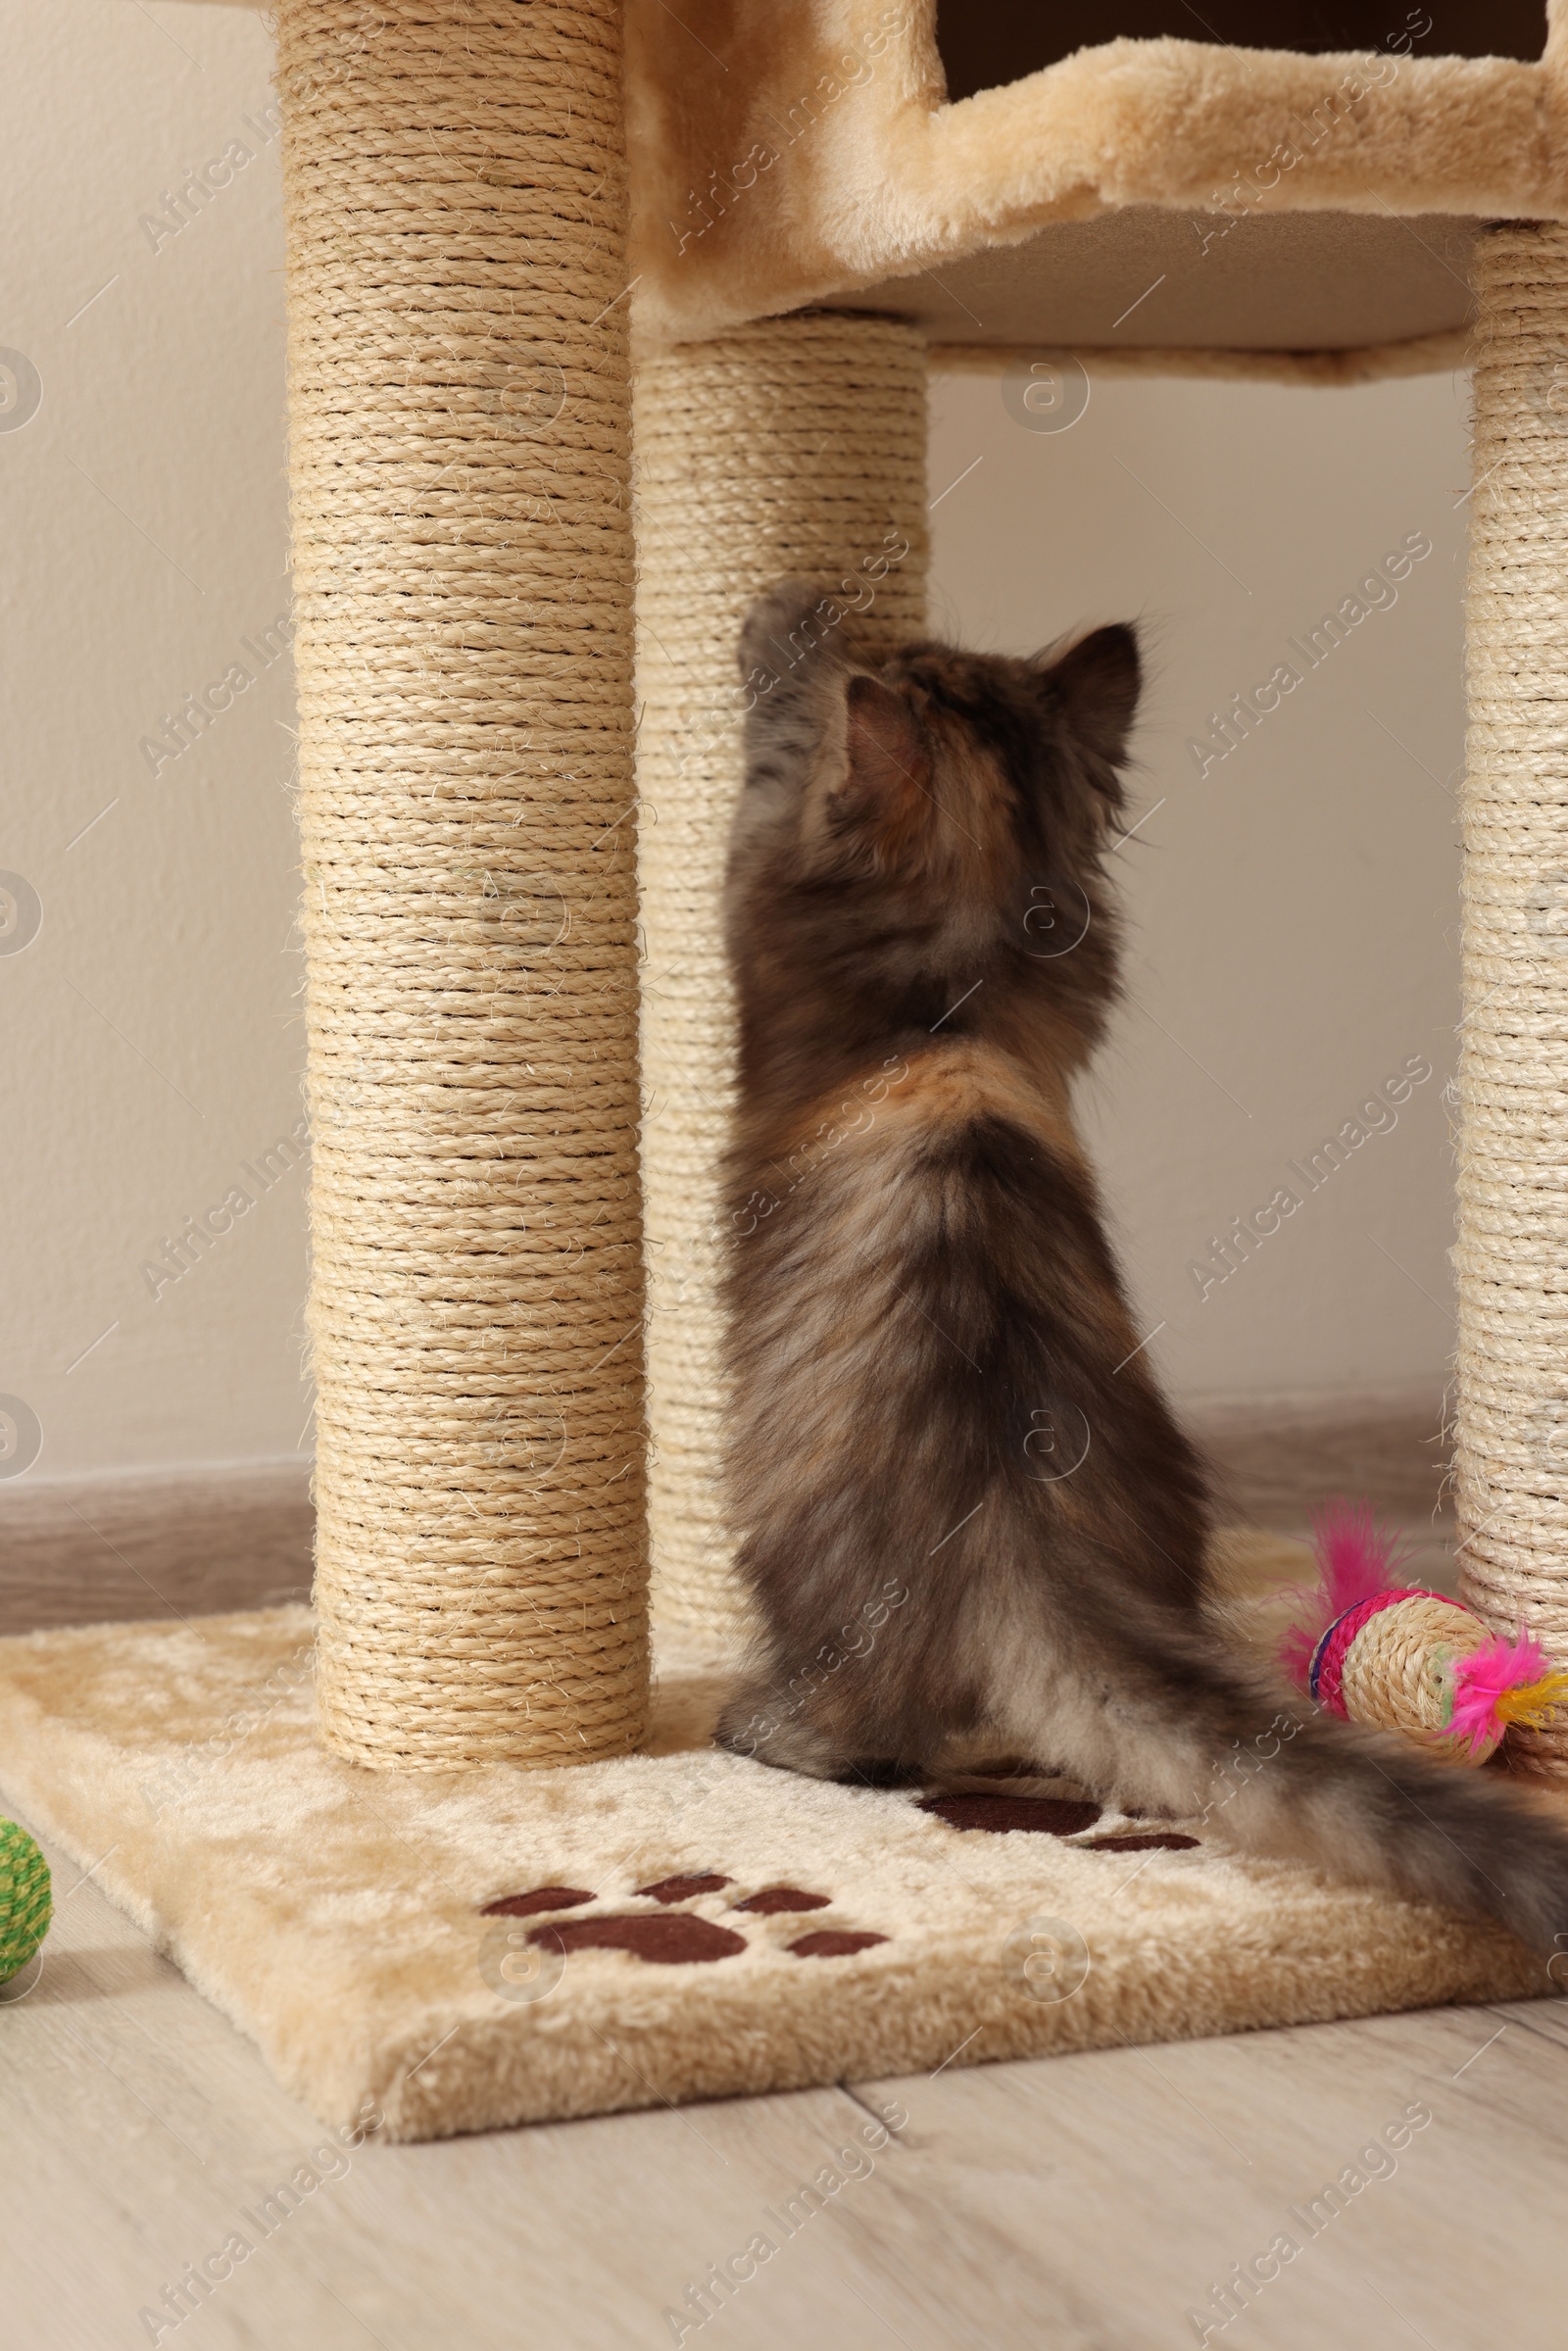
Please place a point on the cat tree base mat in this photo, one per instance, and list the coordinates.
(339, 1916)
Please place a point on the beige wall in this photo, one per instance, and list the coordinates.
(1292, 910)
(150, 1031)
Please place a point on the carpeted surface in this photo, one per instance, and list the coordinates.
(460, 1951)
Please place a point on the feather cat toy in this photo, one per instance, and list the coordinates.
(1398, 1657)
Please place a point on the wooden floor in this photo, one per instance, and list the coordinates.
(1079, 2202)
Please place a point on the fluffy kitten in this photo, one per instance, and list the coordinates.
(968, 1516)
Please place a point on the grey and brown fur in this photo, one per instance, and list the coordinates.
(968, 1517)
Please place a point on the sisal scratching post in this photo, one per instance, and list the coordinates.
(1511, 1456)
(455, 192)
(792, 446)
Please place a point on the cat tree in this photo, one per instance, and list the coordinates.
(459, 370)
(454, 199)
(805, 223)
(1048, 205)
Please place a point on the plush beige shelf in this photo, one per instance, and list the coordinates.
(1154, 194)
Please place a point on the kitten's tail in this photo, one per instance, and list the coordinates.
(1202, 1739)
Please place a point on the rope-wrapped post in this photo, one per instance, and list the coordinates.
(794, 446)
(455, 209)
(1511, 1452)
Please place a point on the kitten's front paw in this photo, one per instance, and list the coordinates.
(776, 632)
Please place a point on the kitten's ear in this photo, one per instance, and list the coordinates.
(887, 767)
(880, 796)
(1095, 685)
(888, 754)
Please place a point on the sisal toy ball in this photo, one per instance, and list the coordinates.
(24, 1899)
(1397, 1657)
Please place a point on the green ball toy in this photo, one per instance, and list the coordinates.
(26, 1906)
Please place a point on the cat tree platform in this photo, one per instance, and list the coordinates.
(1013, 177)
(519, 1037)
(685, 1924)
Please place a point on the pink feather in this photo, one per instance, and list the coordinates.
(1356, 1558)
(1486, 1675)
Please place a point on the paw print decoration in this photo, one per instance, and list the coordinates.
(669, 1933)
(668, 1930)
(1051, 1816)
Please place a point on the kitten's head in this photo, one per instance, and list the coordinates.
(912, 825)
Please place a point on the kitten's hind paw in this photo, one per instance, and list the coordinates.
(778, 1734)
